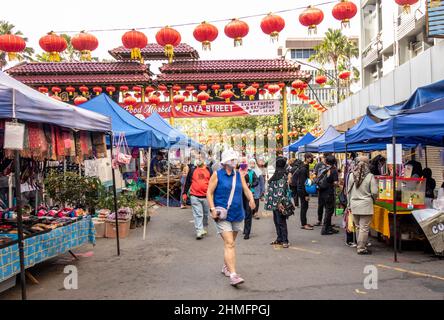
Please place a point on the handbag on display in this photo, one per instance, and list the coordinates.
(222, 212)
(122, 157)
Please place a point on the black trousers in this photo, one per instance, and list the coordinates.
(304, 208)
(280, 222)
(350, 237)
(321, 207)
(256, 209)
(294, 191)
(328, 202)
(248, 218)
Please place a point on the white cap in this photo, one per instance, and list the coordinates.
(229, 155)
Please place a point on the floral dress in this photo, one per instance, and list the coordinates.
(277, 193)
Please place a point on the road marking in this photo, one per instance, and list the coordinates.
(305, 250)
(419, 274)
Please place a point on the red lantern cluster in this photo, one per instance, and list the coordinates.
(272, 25)
(85, 43)
(344, 75)
(344, 11)
(205, 33)
(12, 44)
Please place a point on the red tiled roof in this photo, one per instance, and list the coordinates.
(103, 79)
(153, 51)
(230, 65)
(77, 68)
(224, 77)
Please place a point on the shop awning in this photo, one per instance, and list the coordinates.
(176, 138)
(301, 142)
(137, 132)
(426, 128)
(26, 104)
(330, 134)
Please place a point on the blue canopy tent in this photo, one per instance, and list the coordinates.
(421, 96)
(301, 142)
(19, 102)
(137, 132)
(329, 134)
(176, 138)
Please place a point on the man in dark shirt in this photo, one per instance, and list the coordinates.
(155, 168)
(327, 184)
(303, 173)
(319, 167)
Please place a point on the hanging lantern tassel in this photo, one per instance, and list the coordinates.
(345, 24)
(313, 29)
(203, 103)
(54, 56)
(136, 54)
(227, 100)
(406, 9)
(85, 55)
(169, 52)
(251, 97)
(237, 42)
(12, 56)
(206, 45)
(274, 36)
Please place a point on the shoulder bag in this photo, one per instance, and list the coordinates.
(222, 212)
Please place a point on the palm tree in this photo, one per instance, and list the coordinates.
(7, 28)
(338, 50)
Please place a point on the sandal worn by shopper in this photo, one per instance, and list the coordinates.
(286, 245)
(307, 227)
(275, 242)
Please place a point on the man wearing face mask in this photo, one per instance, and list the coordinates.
(303, 173)
(197, 182)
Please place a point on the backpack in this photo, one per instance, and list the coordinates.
(321, 181)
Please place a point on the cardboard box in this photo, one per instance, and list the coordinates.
(124, 227)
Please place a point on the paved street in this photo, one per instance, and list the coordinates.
(171, 264)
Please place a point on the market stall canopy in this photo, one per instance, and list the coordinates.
(24, 103)
(426, 128)
(329, 134)
(422, 96)
(301, 142)
(137, 132)
(176, 137)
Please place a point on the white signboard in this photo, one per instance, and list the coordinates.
(398, 154)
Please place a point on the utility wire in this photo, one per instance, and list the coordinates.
(197, 23)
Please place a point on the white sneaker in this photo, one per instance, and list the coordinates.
(225, 271)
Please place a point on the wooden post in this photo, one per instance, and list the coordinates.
(285, 116)
(171, 107)
(148, 172)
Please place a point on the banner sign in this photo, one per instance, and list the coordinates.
(194, 109)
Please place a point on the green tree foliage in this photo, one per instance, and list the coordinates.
(8, 28)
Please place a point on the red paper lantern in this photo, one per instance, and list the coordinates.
(137, 89)
(203, 97)
(168, 38)
(157, 93)
(187, 94)
(53, 44)
(299, 85)
(189, 88)
(262, 92)
(294, 92)
(241, 86)
(56, 90)
(43, 89)
(154, 99)
(85, 43)
(228, 86)
(311, 18)
(195, 93)
(321, 80)
(79, 100)
(251, 92)
(205, 33)
(149, 90)
(135, 41)
(70, 90)
(203, 87)
(406, 4)
(130, 101)
(273, 88)
(12, 44)
(303, 97)
(176, 88)
(255, 85)
(312, 102)
(110, 90)
(124, 88)
(97, 90)
(237, 30)
(162, 87)
(84, 90)
(344, 11)
(272, 25)
(215, 87)
(281, 84)
(266, 86)
(227, 95)
(178, 99)
(166, 94)
(344, 75)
